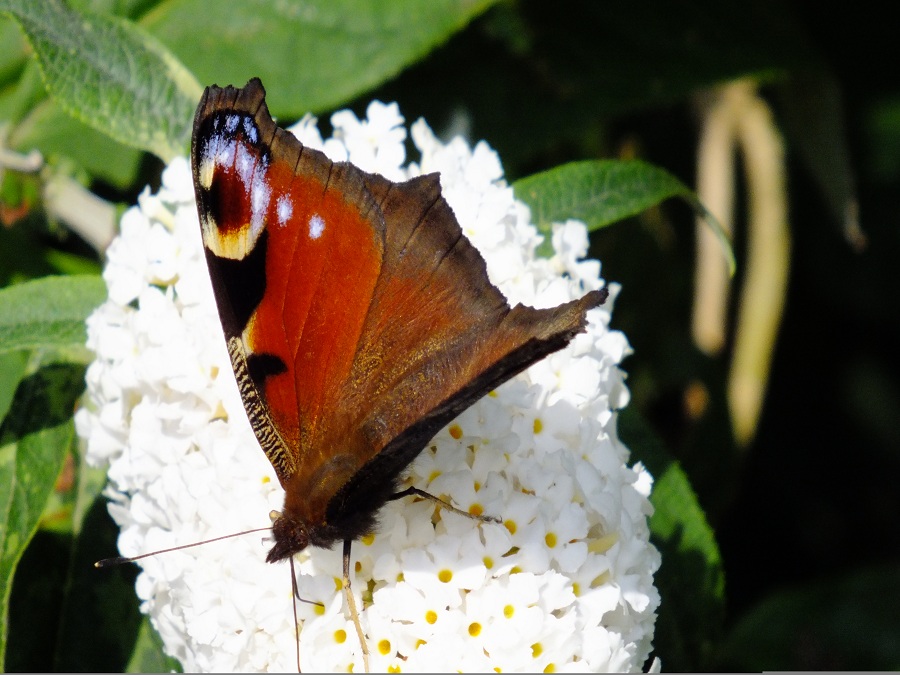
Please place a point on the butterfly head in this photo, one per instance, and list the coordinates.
(291, 536)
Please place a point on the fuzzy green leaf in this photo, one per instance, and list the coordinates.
(311, 56)
(691, 580)
(110, 74)
(603, 192)
(34, 439)
(48, 312)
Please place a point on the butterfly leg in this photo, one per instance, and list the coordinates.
(351, 603)
(294, 605)
(409, 492)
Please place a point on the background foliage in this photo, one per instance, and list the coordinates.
(777, 554)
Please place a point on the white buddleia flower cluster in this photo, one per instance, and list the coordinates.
(564, 583)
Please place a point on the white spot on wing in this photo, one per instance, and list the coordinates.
(260, 192)
(250, 130)
(245, 165)
(284, 208)
(217, 151)
(316, 226)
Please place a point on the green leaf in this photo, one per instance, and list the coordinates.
(12, 368)
(311, 56)
(148, 656)
(34, 440)
(111, 75)
(849, 622)
(13, 53)
(598, 192)
(51, 130)
(48, 312)
(602, 192)
(72, 264)
(691, 580)
(25, 90)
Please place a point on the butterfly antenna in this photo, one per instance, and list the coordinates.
(110, 562)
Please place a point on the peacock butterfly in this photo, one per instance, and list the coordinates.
(358, 318)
